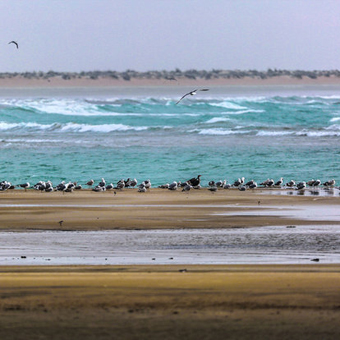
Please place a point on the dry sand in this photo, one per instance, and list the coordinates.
(164, 302)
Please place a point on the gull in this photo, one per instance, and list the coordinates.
(253, 185)
(195, 181)
(133, 182)
(187, 187)
(24, 185)
(329, 183)
(316, 183)
(191, 93)
(147, 184)
(301, 185)
(173, 186)
(164, 186)
(90, 182)
(14, 42)
(221, 184)
(238, 182)
(291, 183)
(279, 182)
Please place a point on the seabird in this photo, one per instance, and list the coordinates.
(238, 182)
(187, 187)
(120, 184)
(14, 42)
(147, 184)
(310, 183)
(329, 183)
(192, 93)
(70, 187)
(301, 185)
(102, 183)
(291, 183)
(142, 189)
(249, 183)
(133, 182)
(270, 183)
(90, 183)
(279, 182)
(213, 188)
(109, 186)
(164, 186)
(253, 185)
(316, 183)
(24, 185)
(221, 184)
(98, 188)
(195, 181)
(173, 186)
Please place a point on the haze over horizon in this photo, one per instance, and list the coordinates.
(85, 35)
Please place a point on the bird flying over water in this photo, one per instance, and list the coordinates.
(192, 93)
(15, 43)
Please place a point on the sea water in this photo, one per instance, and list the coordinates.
(224, 133)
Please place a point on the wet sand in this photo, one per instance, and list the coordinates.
(161, 209)
(169, 302)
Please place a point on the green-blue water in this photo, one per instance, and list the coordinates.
(220, 136)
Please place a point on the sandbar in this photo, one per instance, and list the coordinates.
(159, 209)
(171, 301)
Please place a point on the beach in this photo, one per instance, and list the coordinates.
(161, 209)
(223, 302)
(168, 301)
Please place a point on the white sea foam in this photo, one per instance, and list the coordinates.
(229, 105)
(101, 128)
(319, 133)
(274, 133)
(9, 126)
(219, 131)
(217, 120)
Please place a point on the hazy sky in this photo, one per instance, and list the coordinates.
(83, 35)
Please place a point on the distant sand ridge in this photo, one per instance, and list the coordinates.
(167, 78)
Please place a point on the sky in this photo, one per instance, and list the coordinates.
(144, 35)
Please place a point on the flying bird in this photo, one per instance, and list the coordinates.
(192, 93)
(14, 42)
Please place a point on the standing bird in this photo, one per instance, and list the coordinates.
(90, 182)
(191, 93)
(14, 42)
(24, 185)
(195, 181)
(291, 183)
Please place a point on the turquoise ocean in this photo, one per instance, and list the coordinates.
(115, 133)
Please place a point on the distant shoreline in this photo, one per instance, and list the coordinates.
(168, 79)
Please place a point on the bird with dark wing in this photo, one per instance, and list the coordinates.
(191, 93)
(14, 42)
(194, 181)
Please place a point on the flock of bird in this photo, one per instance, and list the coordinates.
(193, 183)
